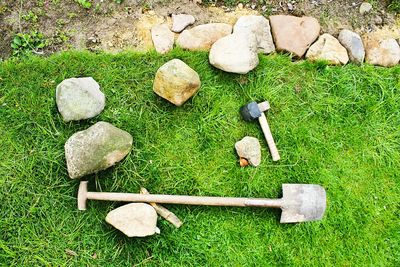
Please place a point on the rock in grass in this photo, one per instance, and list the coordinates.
(381, 51)
(181, 21)
(328, 48)
(294, 34)
(163, 38)
(135, 219)
(95, 149)
(236, 53)
(353, 44)
(259, 26)
(79, 98)
(249, 148)
(203, 36)
(176, 82)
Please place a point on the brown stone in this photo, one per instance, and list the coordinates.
(381, 51)
(294, 34)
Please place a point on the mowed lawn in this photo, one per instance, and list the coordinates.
(334, 126)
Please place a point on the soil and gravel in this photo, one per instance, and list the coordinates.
(110, 26)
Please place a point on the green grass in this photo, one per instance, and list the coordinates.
(334, 126)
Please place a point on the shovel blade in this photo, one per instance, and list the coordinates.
(302, 203)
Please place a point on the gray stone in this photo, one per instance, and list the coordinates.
(176, 82)
(134, 220)
(365, 8)
(353, 44)
(259, 26)
(79, 99)
(236, 53)
(95, 149)
(163, 38)
(203, 36)
(181, 21)
(249, 148)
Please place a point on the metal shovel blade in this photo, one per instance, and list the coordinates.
(302, 203)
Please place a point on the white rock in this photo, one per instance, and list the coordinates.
(382, 52)
(79, 98)
(236, 53)
(163, 38)
(181, 21)
(259, 26)
(365, 8)
(353, 44)
(328, 48)
(250, 149)
(203, 36)
(135, 219)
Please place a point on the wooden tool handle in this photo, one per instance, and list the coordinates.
(268, 136)
(190, 200)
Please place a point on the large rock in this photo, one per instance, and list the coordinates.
(79, 98)
(236, 53)
(259, 26)
(294, 34)
(328, 48)
(176, 82)
(353, 44)
(96, 148)
(203, 36)
(181, 21)
(381, 51)
(135, 219)
(249, 148)
(163, 38)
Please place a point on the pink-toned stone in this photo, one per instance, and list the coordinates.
(203, 36)
(294, 34)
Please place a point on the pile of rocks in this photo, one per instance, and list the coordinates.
(235, 49)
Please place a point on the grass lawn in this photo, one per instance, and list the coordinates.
(334, 126)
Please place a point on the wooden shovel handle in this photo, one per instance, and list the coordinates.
(268, 137)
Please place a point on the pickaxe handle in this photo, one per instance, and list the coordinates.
(268, 137)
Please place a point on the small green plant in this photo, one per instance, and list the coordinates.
(394, 6)
(118, 1)
(84, 3)
(30, 16)
(27, 43)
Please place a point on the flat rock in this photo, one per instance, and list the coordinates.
(294, 34)
(134, 220)
(259, 26)
(381, 51)
(176, 82)
(249, 148)
(236, 53)
(79, 99)
(181, 21)
(203, 36)
(353, 44)
(163, 38)
(95, 149)
(328, 48)
(365, 8)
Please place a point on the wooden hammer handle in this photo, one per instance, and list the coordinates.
(268, 137)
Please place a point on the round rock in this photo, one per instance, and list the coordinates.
(134, 220)
(259, 26)
(381, 51)
(328, 48)
(176, 82)
(236, 53)
(250, 149)
(79, 99)
(353, 44)
(95, 149)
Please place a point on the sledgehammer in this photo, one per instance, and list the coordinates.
(299, 202)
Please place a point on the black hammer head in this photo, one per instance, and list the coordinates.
(250, 111)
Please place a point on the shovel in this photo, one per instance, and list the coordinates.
(299, 202)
